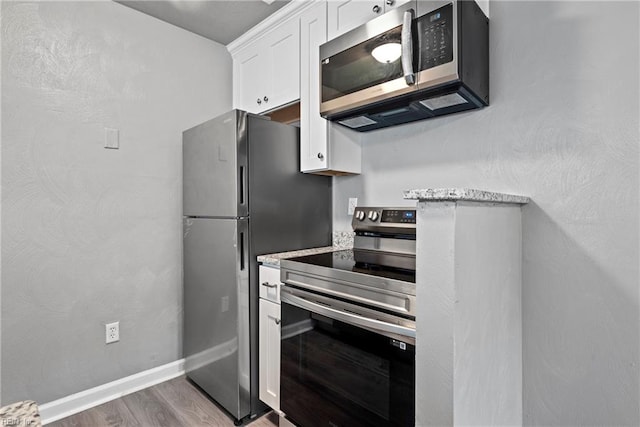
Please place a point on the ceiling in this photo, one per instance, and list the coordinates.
(219, 20)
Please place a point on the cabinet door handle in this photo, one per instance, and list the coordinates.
(320, 156)
(259, 101)
(390, 2)
(277, 321)
(266, 99)
(269, 285)
(376, 9)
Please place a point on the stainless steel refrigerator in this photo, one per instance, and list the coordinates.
(243, 196)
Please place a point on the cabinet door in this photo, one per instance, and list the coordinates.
(392, 4)
(249, 79)
(269, 354)
(345, 15)
(323, 149)
(282, 80)
(313, 128)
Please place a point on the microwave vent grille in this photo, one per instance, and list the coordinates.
(357, 122)
(444, 101)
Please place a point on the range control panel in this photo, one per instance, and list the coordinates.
(367, 217)
(406, 216)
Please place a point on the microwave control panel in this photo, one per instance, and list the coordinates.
(435, 35)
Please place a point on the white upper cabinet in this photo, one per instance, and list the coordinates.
(267, 70)
(313, 128)
(283, 54)
(248, 82)
(278, 62)
(345, 15)
(392, 4)
(322, 149)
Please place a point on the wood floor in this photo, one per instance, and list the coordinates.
(174, 403)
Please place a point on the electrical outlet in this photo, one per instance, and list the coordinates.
(353, 202)
(112, 331)
(111, 138)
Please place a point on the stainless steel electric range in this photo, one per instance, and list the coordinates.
(348, 327)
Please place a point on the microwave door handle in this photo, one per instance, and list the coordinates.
(346, 317)
(407, 48)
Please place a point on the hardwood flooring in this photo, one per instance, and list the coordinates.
(174, 403)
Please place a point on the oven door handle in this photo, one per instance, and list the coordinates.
(343, 316)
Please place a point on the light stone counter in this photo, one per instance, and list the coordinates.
(341, 240)
(462, 194)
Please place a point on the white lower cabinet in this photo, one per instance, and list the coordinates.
(269, 337)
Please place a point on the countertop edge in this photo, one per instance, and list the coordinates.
(274, 259)
(462, 194)
(341, 240)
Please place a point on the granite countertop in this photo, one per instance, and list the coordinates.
(341, 240)
(274, 259)
(462, 194)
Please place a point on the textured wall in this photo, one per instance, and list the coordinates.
(92, 235)
(562, 129)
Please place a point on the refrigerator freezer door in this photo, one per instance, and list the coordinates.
(216, 310)
(214, 162)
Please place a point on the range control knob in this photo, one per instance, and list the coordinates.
(360, 215)
(373, 215)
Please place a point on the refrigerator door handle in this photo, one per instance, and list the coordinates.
(242, 185)
(242, 260)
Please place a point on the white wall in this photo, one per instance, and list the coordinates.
(562, 128)
(92, 235)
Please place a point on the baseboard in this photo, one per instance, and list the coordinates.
(78, 402)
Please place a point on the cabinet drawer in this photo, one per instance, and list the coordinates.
(269, 283)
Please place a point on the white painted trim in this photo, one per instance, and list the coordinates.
(78, 402)
(292, 9)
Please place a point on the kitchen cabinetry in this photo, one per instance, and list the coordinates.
(276, 63)
(345, 15)
(269, 339)
(322, 148)
(267, 71)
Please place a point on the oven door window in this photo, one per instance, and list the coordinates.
(336, 374)
(357, 67)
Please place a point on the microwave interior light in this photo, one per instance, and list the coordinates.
(387, 53)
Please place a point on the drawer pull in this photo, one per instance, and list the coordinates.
(269, 285)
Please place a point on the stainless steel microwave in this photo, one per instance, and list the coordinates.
(422, 60)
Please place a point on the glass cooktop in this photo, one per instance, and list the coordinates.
(358, 262)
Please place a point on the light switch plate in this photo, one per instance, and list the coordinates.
(353, 202)
(111, 138)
